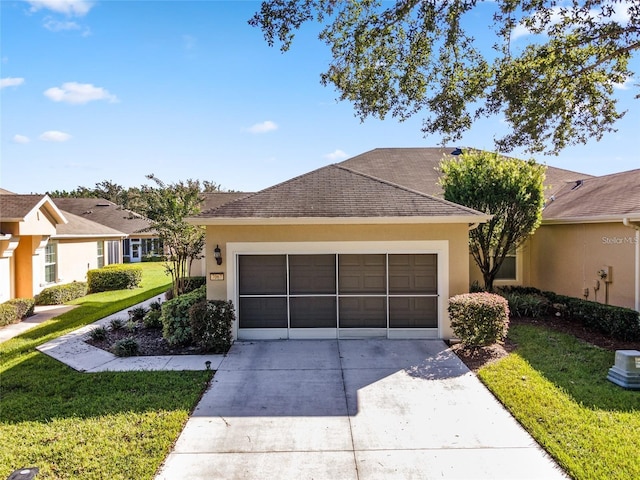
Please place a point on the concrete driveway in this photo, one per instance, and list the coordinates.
(351, 409)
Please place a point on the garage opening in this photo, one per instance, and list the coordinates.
(338, 294)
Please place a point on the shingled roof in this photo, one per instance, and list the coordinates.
(417, 168)
(610, 196)
(78, 227)
(14, 208)
(106, 213)
(336, 192)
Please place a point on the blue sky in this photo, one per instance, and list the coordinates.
(115, 90)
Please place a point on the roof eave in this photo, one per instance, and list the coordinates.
(467, 219)
(634, 217)
(67, 236)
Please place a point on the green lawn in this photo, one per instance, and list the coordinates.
(90, 426)
(556, 386)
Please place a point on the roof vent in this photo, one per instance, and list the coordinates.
(87, 212)
(577, 185)
(102, 205)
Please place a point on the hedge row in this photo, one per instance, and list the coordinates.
(617, 322)
(59, 294)
(14, 310)
(114, 277)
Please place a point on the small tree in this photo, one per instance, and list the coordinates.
(166, 206)
(509, 189)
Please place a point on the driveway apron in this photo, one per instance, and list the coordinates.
(351, 409)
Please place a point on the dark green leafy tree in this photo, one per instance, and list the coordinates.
(167, 206)
(509, 189)
(408, 56)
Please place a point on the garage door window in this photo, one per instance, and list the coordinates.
(338, 291)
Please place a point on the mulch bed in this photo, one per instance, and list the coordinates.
(150, 342)
(478, 357)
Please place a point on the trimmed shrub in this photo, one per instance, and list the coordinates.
(114, 277)
(530, 305)
(193, 283)
(479, 319)
(176, 327)
(127, 347)
(153, 319)
(59, 294)
(8, 314)
(24, 306)
(618, 322)
(211, 322)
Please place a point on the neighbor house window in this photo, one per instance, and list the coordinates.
(100, 254)
(50, 268)
(507, 270)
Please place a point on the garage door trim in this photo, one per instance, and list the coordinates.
(438, 247)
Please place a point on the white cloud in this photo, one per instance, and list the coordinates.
(75, 8)
(54, 25)
(11, 82)
(20, 139)
(336, 155)
(624, 85)
(264, 127)
(79, 93)
(54, 136)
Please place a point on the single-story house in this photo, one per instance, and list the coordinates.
(138, 242)
(366, 247)
(41, 245)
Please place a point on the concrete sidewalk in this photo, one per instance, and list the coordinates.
(351, 409)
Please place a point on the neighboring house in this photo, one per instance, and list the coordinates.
(369, 247)
(138, 242)
(41, 245)
(590, 228)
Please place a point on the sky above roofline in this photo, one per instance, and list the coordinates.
(116, 90)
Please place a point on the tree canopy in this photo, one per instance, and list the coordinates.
(420, 56)
(511, 190)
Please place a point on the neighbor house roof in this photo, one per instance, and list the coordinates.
(337, 192)
(597, 198)
(418, 168)
(78, 227)
(106, 213)
(14, 208)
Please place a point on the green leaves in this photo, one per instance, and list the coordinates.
(509, 189)
(413, 56)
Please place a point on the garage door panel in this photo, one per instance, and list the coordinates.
(363, 312)
(409, 273)
(262, 274)
(262, 312)
(413, 312)
(362, 274)
(312, 274)
(313, 312)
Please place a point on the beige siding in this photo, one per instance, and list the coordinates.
(75, 257)
(566, 258)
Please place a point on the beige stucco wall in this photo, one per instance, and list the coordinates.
(455, 234)
(75, 257)
(566, 258)
(523, 269)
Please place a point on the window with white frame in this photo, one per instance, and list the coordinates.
(100, 254)
(50, 262)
